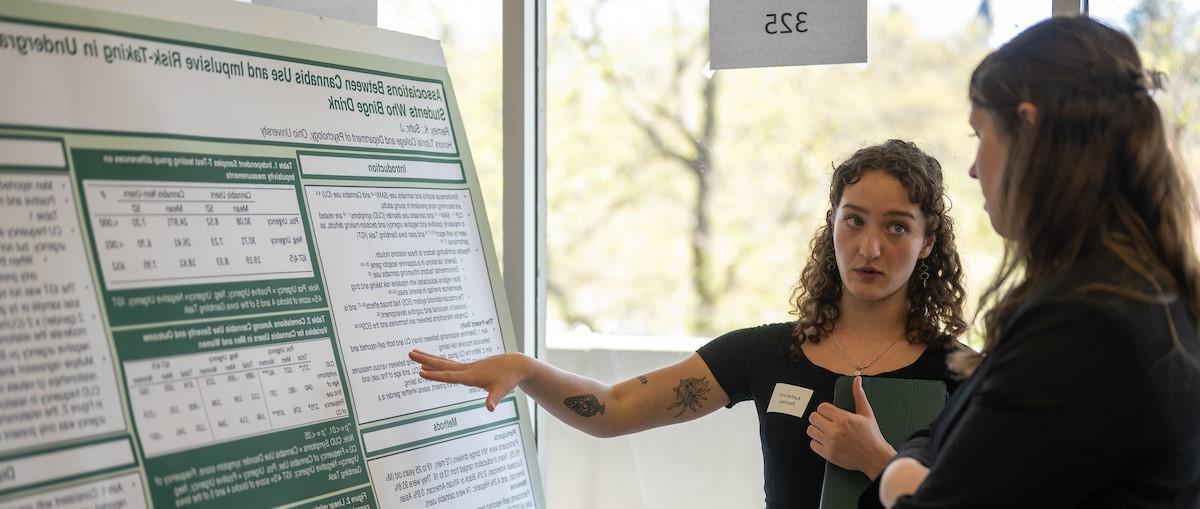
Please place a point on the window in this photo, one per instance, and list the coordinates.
(681, 203)
(470, 32)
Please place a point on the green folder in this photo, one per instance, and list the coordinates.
(902, 406)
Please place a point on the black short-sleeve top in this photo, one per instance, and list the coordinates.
(749, 363)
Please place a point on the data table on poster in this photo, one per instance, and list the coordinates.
(190, 400)
(162, 233)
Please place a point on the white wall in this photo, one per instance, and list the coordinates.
(712, 462)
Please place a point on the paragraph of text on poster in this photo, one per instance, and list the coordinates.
(405, 271)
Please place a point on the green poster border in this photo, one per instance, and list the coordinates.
(258, 54)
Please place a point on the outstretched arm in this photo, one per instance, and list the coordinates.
(680, 392)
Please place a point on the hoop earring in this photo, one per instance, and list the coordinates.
(923, 273)
(830, 265)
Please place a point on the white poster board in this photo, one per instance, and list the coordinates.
(222, 229)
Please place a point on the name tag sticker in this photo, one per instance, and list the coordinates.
(789, 399)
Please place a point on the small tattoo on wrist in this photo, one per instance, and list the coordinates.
(586, 405)
(642, 379)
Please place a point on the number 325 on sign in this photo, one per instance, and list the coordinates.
(786, 23)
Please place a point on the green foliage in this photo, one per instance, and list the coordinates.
(621, 207)
(1168, 34)
(628, 147)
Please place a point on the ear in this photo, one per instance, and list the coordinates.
(1028, 114)
(927, 247)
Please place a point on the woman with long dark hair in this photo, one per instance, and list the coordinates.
(1087, 392)
(880, 295)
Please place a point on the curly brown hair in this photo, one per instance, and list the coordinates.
(935, 309)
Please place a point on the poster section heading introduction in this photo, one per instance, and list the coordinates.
(217, 250)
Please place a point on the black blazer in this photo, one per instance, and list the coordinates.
(1087, 401)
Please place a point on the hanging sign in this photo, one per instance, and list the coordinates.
(768, 33)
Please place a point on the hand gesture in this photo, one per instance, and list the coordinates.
(850, 440)
(498, 375)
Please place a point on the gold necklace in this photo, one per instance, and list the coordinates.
(859, 369)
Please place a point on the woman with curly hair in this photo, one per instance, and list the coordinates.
(881, 295)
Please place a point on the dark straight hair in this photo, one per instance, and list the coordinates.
(1096, 155)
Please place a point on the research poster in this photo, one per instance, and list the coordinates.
(222, 229)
